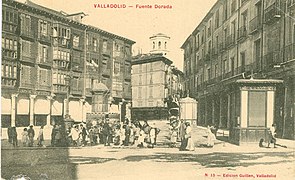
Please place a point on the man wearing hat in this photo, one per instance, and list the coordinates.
(31, 134)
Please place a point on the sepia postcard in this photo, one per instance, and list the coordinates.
(148, 89)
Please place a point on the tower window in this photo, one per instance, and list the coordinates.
(159, 45)
(165, 45)
(154, 45)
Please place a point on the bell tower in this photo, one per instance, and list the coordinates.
(159, 44)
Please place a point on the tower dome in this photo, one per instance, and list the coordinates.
(159, 43)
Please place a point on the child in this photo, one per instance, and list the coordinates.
(25, 137)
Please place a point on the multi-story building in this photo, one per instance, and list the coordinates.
(154, 81)
(51, 61)
(239, 40)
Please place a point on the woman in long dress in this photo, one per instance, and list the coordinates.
(188, 135)
(210, 137)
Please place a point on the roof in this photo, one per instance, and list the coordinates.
(146, 58)
(159, 35)
(259, 81)
(207, 16)
(64, 16)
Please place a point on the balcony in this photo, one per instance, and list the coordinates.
(106, 52)
(290, 52)
(61, 41)
(92, 72)
(271, 59)
(26, 33)
(45, 62)
(61, 64)
(60, 88)
(272, 13)
(242, 33)
(44, 38)
(26, 58)
(43, 87)
(255, 25)
(76, 91)
(76, 66)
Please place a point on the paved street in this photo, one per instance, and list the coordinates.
(223, 161)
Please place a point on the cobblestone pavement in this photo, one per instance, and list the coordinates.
(223, 161)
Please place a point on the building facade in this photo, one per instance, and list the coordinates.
(51, 61)
(243, 39)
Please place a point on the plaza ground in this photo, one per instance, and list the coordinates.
(223, 161)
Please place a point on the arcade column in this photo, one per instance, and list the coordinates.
(32, 102)
(13, 111)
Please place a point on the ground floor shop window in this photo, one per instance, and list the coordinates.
(5, 121)
(56, 120)
(40, 120)
(22, 121)
(257, 109)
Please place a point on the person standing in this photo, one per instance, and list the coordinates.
(182, 133)
(31, 134)
(25, 137)
(83, 134)
(9, 130)
(106, 131)
(188, 136)
(272, 134)
(127, 135)
(14, 137)
(40, 137)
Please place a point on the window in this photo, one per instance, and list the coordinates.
(151, 79)
(44, 77)
(151, 91)
(159, 45)
(154, 45)
(243, 59)
(140, 80)
(209, 29)
(225, 66)
(26, 78)
(94, 44)
(217, 19)
(139, 93)
(26, 48)
(209, 73)
(232, 59)
(76, 39)
(25, 24)
(165, 45)
(233, 5)
(104, 45)
(43, 54)
(225, 13)
(216, 71)
(43, 28)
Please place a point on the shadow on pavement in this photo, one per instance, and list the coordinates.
(215, 159)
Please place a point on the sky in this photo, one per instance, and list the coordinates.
(140, 24)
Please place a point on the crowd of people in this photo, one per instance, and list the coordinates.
(115, 133)
(105, 132)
